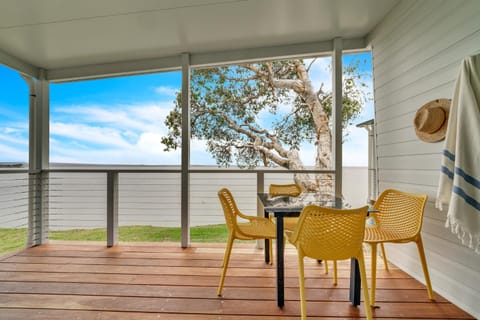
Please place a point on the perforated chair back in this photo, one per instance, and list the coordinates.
(400, 214)
(293, 190)
(330, 234)
(230, 209)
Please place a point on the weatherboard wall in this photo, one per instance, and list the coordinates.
(417, 51)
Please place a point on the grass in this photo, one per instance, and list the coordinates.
(14, 239)
(211, 233)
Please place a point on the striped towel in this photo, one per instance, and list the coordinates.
(459, 184)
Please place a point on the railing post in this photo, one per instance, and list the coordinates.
(260, 212)
(38, 161)
(185, 191)
(337, 113)
(112, 208)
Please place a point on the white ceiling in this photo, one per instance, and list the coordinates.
(62, 34)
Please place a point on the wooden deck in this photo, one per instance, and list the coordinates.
(163, 281)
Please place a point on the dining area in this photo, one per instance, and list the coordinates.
(325, 228)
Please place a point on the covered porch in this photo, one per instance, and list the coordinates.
(415, 59)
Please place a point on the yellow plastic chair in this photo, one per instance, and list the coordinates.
(252, 228)
(291, 190)
(330, 234)
(289, 223)
(398, 220)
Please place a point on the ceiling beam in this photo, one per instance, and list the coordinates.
(199, 60)
(273, 52)
(114, 69)
(19, 65)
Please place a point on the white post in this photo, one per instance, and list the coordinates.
(185, 218)
(112, 208)
(337, 113)
(372, 163)
(39, 122)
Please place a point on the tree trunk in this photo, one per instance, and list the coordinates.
(323, 158)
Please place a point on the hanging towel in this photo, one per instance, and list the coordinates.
(459, 185)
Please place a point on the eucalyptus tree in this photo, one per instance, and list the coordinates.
(229, 105)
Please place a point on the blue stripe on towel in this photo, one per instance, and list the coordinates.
(474, 203)
(449, 155)
(447, 172)
(474, 182)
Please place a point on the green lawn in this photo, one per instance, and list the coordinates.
(211, 233)
(14, 239)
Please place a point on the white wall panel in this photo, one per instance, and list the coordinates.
(417, 51)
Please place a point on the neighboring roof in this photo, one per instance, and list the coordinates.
(365, 123)
(63, 36)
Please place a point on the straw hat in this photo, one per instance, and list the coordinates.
(431, 120)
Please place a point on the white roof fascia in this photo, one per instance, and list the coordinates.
(198, 60)
(19, 65)
(114, 69)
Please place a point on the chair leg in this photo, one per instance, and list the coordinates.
(226, 259)
(423, 260)
(270, 247)
(363, 277)
(335, 275)
(326, 267)
(374, 272)
(301, 280)
(384, 256)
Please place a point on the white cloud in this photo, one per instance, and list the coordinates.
(133, 117)
(14, 139)
(124, 134)
(165, 90)
(12, 153)
(320, 72)
(89, 134)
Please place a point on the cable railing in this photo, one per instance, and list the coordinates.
(14, 202)
(84, 197)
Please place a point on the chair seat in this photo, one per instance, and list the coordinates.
(375, 234)
(258, 229)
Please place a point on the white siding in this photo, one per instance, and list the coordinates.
(417, 50)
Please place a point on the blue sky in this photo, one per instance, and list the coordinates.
(121, 120)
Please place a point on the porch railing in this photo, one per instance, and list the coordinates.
(107, 197)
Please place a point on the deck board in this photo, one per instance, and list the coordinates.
(163, 281)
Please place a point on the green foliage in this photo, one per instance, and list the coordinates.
(227, 105)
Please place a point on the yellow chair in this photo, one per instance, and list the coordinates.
(252, 228)
(330, 234)
(398, 220)
(289, 223)
(290, 190)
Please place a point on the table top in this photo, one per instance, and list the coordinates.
(287, 204)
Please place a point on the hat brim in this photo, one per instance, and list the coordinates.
(440, 133)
